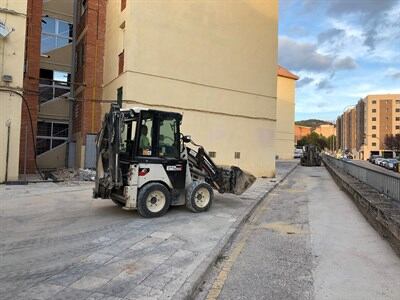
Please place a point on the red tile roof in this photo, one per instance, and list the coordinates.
(286, 73)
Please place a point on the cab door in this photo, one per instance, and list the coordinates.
(168, 147)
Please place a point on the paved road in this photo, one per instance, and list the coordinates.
(306, 241)
(56, 242)
(368, 165)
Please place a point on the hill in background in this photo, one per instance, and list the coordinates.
(312, 123)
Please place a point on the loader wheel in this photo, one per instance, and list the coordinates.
(199, 196)
(154, 200)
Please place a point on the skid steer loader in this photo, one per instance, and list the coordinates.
(144, 163)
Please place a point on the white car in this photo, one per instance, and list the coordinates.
(379, 160)
(298, 153)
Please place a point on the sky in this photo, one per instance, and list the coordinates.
(342, 50)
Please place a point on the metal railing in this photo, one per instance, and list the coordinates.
(387, 184)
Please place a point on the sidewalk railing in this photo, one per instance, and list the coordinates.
(387, 184)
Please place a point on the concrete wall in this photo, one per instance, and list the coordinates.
(213, 61)
(12, 50)
(285, 110)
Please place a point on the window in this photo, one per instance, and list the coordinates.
(123, 4)
(397, 109)
(373, 144)
(53, 84)
(55, 34)
(397, 127)
(50, 135)
(128, 137)
(374, 135)
(374, 110)
(121, 62)
(373, 118)
(397, 118)
(373, 101)
(237, 155)
(397, 101)
(145, 141)
(120, 96)
(374, 127)
(168, 145)
(212, 154)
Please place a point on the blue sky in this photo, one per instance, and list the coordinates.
(342, 50)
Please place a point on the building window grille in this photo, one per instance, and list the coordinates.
(212, 154)
(374, 144)
(397, 118)
(50, 135)
(121, 62)
(55, 34)
(53, 84)
(373, 119)
(374, 135)
(397, 127)
(237, 155)
(373, 101)
(374, 110)
(374, 127)
(397, 109)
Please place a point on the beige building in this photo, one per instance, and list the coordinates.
(381, 118)
(326, 130)
(285, 111)
(214, 62)
(12, 51)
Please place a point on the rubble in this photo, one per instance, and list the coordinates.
(70, 174)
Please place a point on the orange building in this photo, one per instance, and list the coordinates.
(326, 130)
(301, 131)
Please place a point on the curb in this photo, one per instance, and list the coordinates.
(189, 288)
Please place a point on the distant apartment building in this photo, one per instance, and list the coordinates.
(301, 131)
(12, 52)
(285, 111)
(326, 130)
(363, 129)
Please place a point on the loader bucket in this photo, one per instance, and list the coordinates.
(235, 180)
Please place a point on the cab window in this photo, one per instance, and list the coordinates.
(145, 141)
(168, 138)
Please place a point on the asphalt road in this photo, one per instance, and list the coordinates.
(307, 240)
(371, 166)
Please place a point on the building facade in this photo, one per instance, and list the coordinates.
(363, 129)
(301, 131)
(12, 51)
(190, 58)
(326, 130)
(285, 111)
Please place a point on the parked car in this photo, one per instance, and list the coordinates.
(378, 160)
(392, 164)
(298, 153)
(372, 158)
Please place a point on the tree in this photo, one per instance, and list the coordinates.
(315, 139)
(392, 142)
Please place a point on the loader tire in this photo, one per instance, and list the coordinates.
(199, 196)
(154, 200)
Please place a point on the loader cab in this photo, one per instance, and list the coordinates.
(150, 136)
(153, 137)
